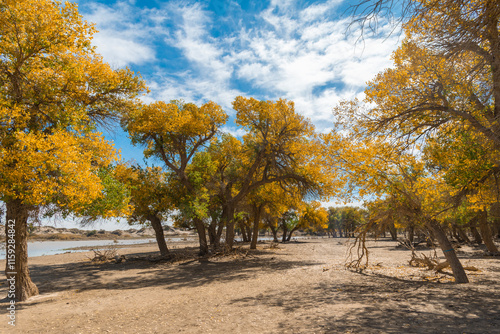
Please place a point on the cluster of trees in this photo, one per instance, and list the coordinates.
(57, 92)
(345, 221)
(215, 182)
(423, 147)
(425, 142)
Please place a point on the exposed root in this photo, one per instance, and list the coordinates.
(361, 250)
(422, 260)
(104, 254)
(440, 266)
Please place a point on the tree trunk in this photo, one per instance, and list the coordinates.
(463, 235)
(495, 216)
(214, 233)
(202, 236)
(486, 232)
(16, 266)
(449, 252)
(229, 218)
(496, 228)
(274, 231)
(256, 221)
(160, 236)
(283, 239)
(411, 234)
(248, 229)
(244, 235)
(476, 235)
(220, 228)
(290, 234)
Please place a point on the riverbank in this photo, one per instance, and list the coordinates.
(299, 287)
(51, 233)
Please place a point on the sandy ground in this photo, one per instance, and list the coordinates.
(300, 287)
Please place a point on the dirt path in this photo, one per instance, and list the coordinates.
(298, 288)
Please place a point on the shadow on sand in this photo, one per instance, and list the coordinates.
(141, 272)
(384, 304)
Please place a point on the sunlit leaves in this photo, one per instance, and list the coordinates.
(150, 191)
(175, 131)
(54, 91)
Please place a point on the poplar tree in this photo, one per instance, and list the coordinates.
(55, 91)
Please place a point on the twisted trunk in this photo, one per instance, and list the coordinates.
(290, 234)
(274, 231)
(243, 230)
(285, 230)
(16, 266)
(215, 232)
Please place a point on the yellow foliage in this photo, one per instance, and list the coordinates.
(55, 90)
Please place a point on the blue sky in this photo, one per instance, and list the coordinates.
(216, 50)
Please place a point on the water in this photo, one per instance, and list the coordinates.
(39, 248)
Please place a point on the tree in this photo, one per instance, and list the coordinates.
(114, 202)
(447, 71)
(55, 90)
(444, 86)
(375, 167)
(311, 216)
(279, 148)
(381, 213)
(472, 172)
(258, 200)
(174, 132)
(276, 208)
(345, 219)
(149, 198)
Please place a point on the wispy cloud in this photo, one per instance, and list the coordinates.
(234, 132)
(123, 37)
(288, 50)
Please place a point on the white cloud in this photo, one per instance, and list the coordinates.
(123, 36)
(313, 12)
(310, 59)
(192, 38)
(239, 132)
(301, 55)
(120, 52)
